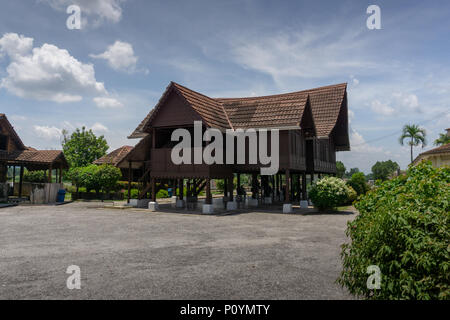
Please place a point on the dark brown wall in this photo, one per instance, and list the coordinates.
(175, 112)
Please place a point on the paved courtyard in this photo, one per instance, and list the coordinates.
(135, 254)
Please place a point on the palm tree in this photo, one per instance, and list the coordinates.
(443, 139)
(416, 136)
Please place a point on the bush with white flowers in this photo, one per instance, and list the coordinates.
(329, 193)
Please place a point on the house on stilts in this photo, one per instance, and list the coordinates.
(312, 124)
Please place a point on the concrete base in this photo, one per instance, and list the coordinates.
(153, 206)
(142, 203)
(287, 208)
(180, 203)
(304, 204)
(232, 205)
(267, 200)
(208, 209)
(310, 203)
(173, 201)
(252, 202)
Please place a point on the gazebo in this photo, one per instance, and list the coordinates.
(13, 153)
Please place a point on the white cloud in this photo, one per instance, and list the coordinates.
(47, 133)
(47, 72)
(14, 45)
(106, 103)
(410, 102)
(120, 56)
(381, 108)
(99, 128)
(97, 10)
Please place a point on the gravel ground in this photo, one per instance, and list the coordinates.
(135, 254)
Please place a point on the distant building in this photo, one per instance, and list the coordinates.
(439, 156)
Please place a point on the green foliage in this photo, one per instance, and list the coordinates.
(351, 195)
(329, 193)
(352, 171)
(383, 169)
(162, 194)
(443, 139)
(38, 176)
(220, 184)
(108, 177)
(83, 147)
(93, 177)
(358, 183)
(340, 169)
(403, 228)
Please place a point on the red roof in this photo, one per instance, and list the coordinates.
(46, 157)
(282, 110)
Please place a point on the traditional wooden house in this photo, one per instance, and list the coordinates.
(13, 153)
(312, 124)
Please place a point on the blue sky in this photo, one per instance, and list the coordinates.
(109, 74)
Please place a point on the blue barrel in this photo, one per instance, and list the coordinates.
(169, 191)
(61, 195)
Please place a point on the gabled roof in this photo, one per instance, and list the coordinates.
(13, 133)
(34, 157)
(115, 156)
(282, 110)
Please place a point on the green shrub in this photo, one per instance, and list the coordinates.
(38, 176)
(162, 194)
(358, 183)
(329, 193)
(403, 228)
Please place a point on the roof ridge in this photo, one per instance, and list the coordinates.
(285, 94)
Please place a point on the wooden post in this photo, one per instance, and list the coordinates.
(153, 182)
(225, 187)
(14, 175)
(230, 188)
(208, 191)
(238, 179)
(50, 174)
(288, 182)
(130, 180)
(20, 181)
(254, 186)
(181, 187)
(304, 196)
(60, 172)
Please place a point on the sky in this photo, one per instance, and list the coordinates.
(109, 74)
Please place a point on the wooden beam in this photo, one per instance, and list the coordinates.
(50, 169)
(230, 187)
(304, 195)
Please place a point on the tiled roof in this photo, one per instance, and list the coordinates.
(282, 110)
(442, 149)
(32, 156)
(115, 156)
(264, 112)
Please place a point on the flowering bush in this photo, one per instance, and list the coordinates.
(330, 192)
(403, 228)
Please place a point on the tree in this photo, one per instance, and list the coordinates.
(340, 169)
(383, 169)
(108, 177)
(83, 147)
(350, 173)
(358, 183)
(443, 139)
(415, 135)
